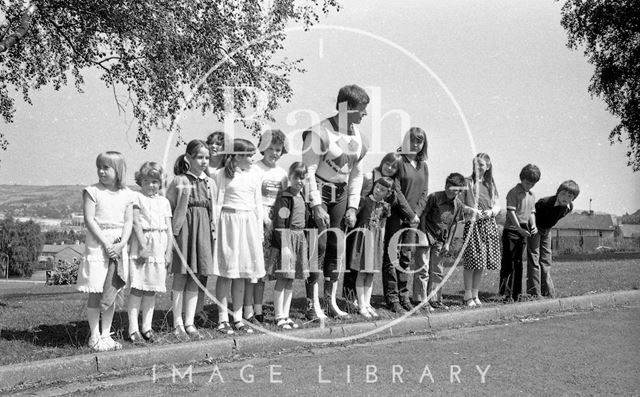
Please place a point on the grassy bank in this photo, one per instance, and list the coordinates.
(39, 321)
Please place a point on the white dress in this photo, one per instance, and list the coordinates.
(240, 229)
(109, 214)
(151, 274)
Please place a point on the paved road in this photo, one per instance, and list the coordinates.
(588, 353)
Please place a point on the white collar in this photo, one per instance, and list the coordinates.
(202, 176)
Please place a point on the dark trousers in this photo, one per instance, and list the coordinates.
(539, 281)
(395, 278)
(335, 203)
(511, 267)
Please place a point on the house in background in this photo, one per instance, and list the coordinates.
(51, 253)
(630, 235)
(583, 232)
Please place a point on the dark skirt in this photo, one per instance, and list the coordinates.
(483, 247)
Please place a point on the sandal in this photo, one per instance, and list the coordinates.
(477, 301)
(241, 327)
(283, 324)
(136, 338)
(180, 333)
(225, 328)
(470, 302)
(193, 332)
(149, 336)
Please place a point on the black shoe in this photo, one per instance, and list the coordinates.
(406, 305)
(439, 305)
(396, 307)
(310, 312)
(259, 318)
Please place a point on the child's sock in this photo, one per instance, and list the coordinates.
(177, 308)
(147, 307)
(288, 295)
(474, 293)
(223, 311)
(237, 315)
(134, 307)
(190, 303)
(368, 290)
(107, 319)
(361, 297)
(258, 297)
(278, 303)
(248, 311)
(93, 316)
(468, 295)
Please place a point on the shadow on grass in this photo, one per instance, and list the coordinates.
(75, 334)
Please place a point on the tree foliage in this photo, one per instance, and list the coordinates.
(156, 55)
(609, 32)
(20, 243)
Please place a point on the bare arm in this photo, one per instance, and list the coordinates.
(137, 230)
(126, 229)
(89, 207)
(169, 251)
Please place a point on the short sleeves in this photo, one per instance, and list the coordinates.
(512, 200)
(166, 208)
(92, 191)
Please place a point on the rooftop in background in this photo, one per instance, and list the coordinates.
(587, 221)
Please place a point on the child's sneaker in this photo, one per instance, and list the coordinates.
(365, 313)
(283, 324)
(372, 311)
(110, 343)
(292, 323)
(96, 344)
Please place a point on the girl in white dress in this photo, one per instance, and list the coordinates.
(107, 215)
(150, 250)
(240, 232)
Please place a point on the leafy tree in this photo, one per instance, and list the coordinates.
(633, 219)
(157, 53)
(22, 243)
(609, 30)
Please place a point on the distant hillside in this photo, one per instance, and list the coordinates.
(56, 201)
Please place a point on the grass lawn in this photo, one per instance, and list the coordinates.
(39, 321)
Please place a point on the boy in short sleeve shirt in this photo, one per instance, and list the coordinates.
(520, 224)
(549, 211)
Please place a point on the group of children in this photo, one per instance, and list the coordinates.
(247, 223)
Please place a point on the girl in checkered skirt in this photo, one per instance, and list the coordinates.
(481, 240)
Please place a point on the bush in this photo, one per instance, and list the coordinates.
(65, 272)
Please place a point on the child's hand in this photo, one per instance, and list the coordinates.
(111, 251)
(350, 217)
(321, 216)
(444, 250)
(145, 252)
(524, 232)
(415, 221)
(117, 247)
(534, 230)
(168, 258)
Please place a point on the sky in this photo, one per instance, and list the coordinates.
(490, 76)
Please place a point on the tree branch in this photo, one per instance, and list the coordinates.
(25, 23)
